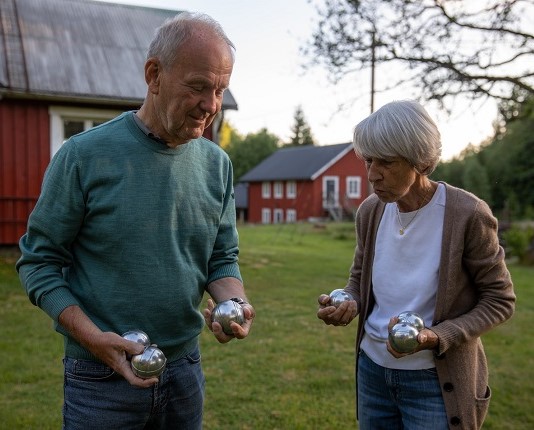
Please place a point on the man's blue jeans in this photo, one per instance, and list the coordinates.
(97, 398)
(393, 399)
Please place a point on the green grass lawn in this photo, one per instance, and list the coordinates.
(293, 372)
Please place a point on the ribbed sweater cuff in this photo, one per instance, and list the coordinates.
(225, 271)
(55, 301)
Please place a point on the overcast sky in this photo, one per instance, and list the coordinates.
(269, 81)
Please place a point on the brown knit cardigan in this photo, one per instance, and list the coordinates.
(475, 293)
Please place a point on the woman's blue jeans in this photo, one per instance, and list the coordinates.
(97, 398)
(393, 399)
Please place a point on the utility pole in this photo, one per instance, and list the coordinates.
(373, 47)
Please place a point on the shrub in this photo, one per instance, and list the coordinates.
(520, 243)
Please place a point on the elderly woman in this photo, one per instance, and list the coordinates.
(427, 247)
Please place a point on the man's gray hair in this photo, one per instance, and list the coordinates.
(177, 30)
(400, 129)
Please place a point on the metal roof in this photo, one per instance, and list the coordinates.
(297, 163)
(78, 49)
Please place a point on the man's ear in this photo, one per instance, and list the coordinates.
(153, 74)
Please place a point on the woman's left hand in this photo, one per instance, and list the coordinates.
(427, 340)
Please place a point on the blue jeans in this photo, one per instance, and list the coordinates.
(393, 399)
(97, 398)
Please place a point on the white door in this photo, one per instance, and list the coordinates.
(330, 192)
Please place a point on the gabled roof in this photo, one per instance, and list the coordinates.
(297, 163)
(78, 50)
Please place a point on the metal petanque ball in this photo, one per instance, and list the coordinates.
(339, 296)
(137, 336)
(403, 337)
(412, 318)
(150, 363)
(227, 311)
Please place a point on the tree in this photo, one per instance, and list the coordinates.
(517, 145)
(227, 135)
(449, 47)
(505, 164)
(302, 134)
(248, 152)
(475, 179)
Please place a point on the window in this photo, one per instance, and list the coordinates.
(278, 190)
(291, 215)
(266, 190)
(68, 121)
(291, 189)
(278, 216)
(265, 216)
(354, 185)
(70, 128)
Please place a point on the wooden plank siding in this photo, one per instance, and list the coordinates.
(24, 156)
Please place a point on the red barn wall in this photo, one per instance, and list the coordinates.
(24, 156)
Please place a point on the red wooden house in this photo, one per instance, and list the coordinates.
(306, 183)
(65, 66)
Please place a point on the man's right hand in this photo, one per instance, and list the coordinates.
(110, 348)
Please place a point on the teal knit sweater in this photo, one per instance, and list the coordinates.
(131, 231)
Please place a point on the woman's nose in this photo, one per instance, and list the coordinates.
(373, 172)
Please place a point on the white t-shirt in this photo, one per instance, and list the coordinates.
(405, 277)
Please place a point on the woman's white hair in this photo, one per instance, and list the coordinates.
(175, 31)
(400, 129)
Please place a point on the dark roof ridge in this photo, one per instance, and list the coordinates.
(296, 163)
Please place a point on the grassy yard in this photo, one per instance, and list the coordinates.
(293, 372)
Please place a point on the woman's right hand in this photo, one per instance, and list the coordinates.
(340, 316)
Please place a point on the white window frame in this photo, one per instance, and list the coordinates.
(354, 182)
(278, 190)
(278, 216)
(58, 114)
(266, 190)
(291, 215)
(266, 216)
(291, 189)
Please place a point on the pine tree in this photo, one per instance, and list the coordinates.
(302, 134)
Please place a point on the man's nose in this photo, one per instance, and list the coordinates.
(210, 103)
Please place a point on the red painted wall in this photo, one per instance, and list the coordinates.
(309, 200)
(24, 155)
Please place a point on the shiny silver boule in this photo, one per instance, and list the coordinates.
(403, 338)
(339, 296)
(137, 336)
(227, 311)
(412, 318)
(150, 363)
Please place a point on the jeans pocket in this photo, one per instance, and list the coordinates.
(194, 357)
(87, 370)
